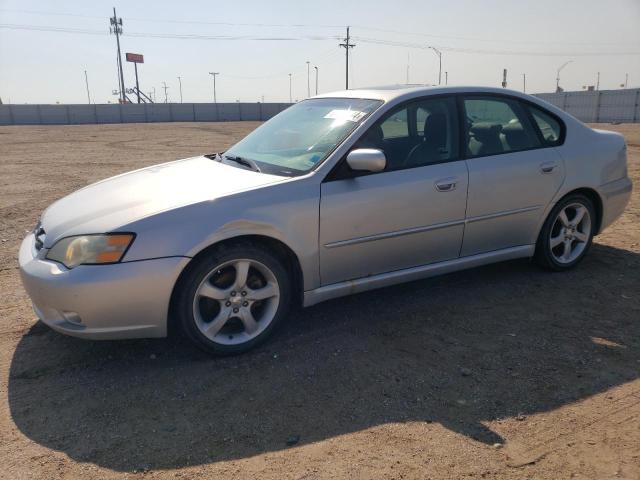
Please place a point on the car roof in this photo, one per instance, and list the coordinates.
(390, 93)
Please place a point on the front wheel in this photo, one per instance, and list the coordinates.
(566, 234)
(231, 300)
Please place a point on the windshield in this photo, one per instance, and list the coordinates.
(303, 135)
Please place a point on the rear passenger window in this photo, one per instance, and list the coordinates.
(496, 126)
(549, 126)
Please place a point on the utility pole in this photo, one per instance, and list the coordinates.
(626, 80)
(290, 100)
(558, 74)
(166, 98)
(116, 28)
(86, 81)
(316, 80)
(439, 53)
(407, 68)
(180, 82)
(347, 45)
(213, 74)
(598, 82)
(524, 82)
(446, 78)
(308, 81)
(154, 94)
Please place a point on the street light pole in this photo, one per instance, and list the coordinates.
(524, 82)
(558, 74)
(290, 100)
(308, 82)
(180, 81)
(439, 53)
(316, 80)
(213, 74)
(86, 81)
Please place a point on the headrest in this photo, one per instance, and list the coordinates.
(435, 125)
(486, 130)
(515, 127)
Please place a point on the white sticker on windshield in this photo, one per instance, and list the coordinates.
(345, 115)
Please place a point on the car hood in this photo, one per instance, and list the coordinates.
(117, 201)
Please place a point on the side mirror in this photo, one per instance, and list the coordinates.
(367, 160)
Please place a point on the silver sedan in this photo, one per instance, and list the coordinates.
(338, 194)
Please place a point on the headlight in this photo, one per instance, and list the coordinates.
(90, 249)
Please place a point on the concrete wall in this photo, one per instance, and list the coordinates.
(599, 106)
(136, 113)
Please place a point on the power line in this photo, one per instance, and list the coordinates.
(163, 20)
(46, 28)
(477, 39)
(330, 26)
(376, 41)
(423, 46)
(307, 25)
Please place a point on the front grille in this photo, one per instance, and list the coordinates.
(40, 235)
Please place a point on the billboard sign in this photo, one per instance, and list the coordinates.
(135, 58)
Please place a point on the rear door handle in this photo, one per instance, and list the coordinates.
(548, 167)
(446, 184)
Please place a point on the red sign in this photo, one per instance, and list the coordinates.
(135, 58)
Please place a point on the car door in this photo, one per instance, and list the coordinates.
(410, 214)
(513, 174)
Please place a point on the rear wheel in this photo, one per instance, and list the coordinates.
(232, 300)
(567, 233)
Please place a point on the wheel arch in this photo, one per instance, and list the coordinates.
(283, 251)
(595, 198)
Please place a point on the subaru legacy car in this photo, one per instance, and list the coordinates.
(338, 194)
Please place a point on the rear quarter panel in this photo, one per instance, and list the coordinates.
(597, 160)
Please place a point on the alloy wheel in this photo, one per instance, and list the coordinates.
(570, 233)
(236, 301)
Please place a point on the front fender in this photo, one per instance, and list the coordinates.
(288, 212)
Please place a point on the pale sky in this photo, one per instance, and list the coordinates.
(45, 46)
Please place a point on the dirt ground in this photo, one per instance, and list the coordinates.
(504, 371)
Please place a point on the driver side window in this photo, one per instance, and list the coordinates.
(416, 134)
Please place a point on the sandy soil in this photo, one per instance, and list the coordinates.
(504, 371)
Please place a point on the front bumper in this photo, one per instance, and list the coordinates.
(122, 300)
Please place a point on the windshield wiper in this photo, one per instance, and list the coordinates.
(246, 162)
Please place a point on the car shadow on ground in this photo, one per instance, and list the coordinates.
(463, 349)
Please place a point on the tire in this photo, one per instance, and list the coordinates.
(559, 232)
(212, 289)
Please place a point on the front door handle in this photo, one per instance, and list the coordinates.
(446, 184)
(548, 167)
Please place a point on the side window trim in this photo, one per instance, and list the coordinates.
(529, 106)
(536, 127)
